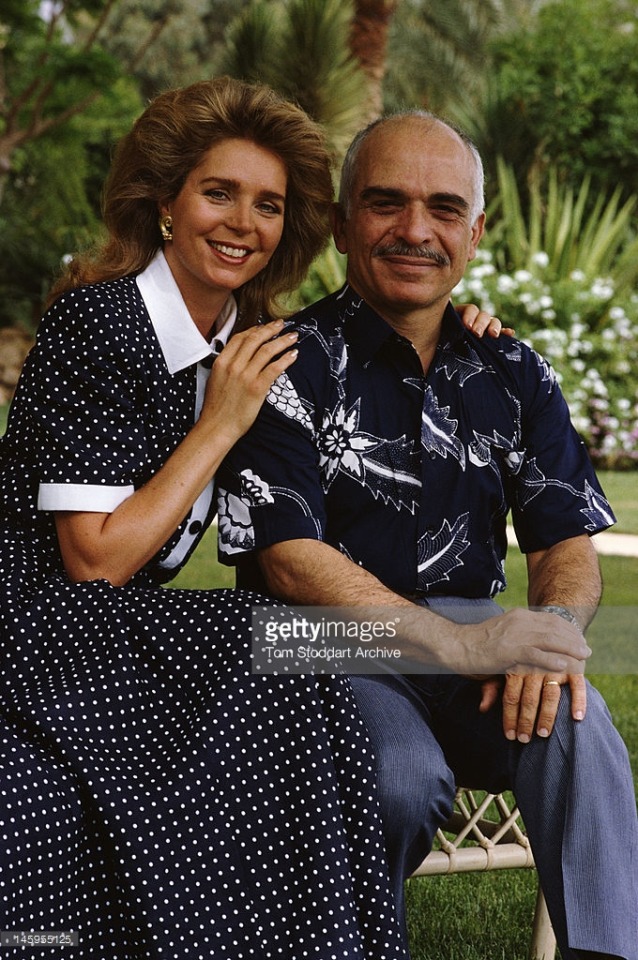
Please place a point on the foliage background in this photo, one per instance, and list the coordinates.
(547, 88)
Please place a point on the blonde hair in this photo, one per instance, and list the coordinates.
(170, 138)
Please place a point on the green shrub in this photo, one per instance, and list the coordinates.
(587, 333)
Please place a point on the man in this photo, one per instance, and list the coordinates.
(380, 473)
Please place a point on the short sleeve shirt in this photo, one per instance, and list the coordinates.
(410, 476)
(112, 386)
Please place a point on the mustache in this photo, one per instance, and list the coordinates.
(419, 252)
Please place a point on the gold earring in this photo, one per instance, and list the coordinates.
(166, 226)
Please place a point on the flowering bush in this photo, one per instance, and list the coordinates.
(586, 333)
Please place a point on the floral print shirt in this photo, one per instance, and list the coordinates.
(411, 476)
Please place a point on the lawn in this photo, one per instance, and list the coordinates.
(489, 916)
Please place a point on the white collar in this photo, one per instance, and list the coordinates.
(181, 342)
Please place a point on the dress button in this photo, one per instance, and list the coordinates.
(195, 527)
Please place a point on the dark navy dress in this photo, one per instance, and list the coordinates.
(155, 797)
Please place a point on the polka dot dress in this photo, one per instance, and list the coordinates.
(155, 796)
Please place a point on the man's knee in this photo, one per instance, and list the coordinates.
(416, 787)
(414, 781)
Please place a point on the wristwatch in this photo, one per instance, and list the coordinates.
(562, 612)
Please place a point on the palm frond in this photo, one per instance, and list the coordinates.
(254, 43)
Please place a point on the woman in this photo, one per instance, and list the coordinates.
(155, 797)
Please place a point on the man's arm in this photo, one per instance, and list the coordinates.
(312, 573)
(567, 576)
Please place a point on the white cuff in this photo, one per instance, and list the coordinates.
(90, 497)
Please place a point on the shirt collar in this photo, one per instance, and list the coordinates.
(366, 331)
(181, 342)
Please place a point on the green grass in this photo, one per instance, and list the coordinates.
(203, 570)
(621, 489)
(473, 916)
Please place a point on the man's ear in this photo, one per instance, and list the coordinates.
(338, 224)
(477, 232)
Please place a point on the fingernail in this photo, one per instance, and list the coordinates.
(523, 738)
(579, 715)
(511, 735)
(543, 732)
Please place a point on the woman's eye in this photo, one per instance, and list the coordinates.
(270, 208)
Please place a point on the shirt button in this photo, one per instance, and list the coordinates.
(195, 527)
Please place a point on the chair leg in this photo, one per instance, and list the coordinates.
(543, 946)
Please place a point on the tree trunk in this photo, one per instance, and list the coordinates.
(368, 43)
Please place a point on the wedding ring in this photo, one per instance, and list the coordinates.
(552, 683)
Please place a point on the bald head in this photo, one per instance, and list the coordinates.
(411, 130)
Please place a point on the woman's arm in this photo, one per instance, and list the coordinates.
(114, 546)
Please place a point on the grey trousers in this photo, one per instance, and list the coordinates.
(574, 789)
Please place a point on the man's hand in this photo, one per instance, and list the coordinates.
(541, 641)
(530, 701)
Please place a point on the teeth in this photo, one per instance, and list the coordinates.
(230, 251)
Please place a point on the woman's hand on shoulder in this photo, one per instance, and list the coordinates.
(244, 372)
(481, 322)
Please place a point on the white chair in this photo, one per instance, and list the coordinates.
(485, 832)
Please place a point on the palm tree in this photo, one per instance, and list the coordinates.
(437, 52)
(369, 43)
(300, 47)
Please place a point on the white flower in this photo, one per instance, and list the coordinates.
(580, 423)
(483, 270)
(505, 283)
(617, 313)
(602, 289)
(523, 276)
(541, 259)
(577, 329)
